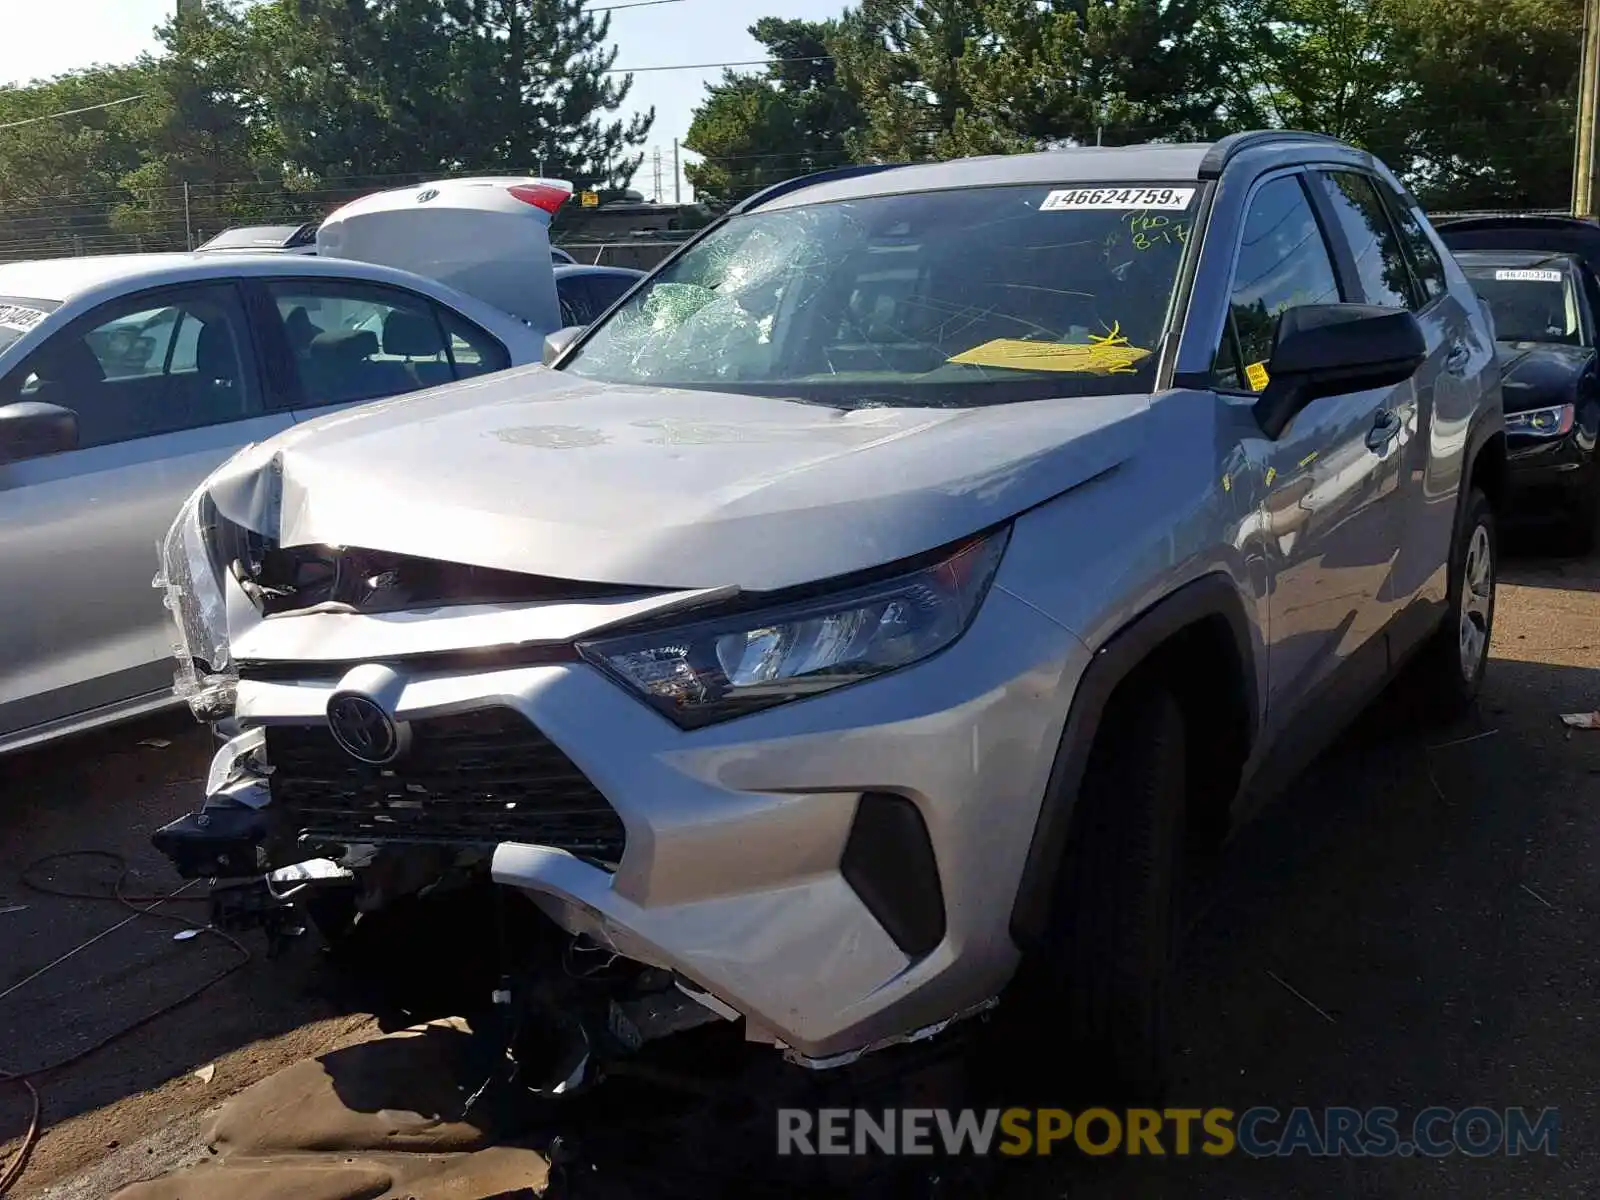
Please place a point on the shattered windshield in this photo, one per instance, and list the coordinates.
(1531, 304)
(951, 299)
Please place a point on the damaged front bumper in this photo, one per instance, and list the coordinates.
(836, 873)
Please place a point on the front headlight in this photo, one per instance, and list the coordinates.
(1543, 422)
(740, 663)
(192, 591)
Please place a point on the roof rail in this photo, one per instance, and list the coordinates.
(1225, 148)
(1553, 221)
(783, 188)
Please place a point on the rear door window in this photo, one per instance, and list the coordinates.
(473, 351)
(353, 341)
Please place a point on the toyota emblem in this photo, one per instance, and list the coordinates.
(364, 730)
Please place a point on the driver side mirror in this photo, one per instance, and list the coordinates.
(555, 344)
(1324, 349)
(30, 429)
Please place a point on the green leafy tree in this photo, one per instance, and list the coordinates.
(371, 87)
(60, 175)
(904, 59)
(1490, 120)
(212, 153)
(1325, 66)
(757, 128)
(1090, 70)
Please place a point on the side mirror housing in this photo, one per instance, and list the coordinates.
(555, 344)
(29, 429)
(1323, 349)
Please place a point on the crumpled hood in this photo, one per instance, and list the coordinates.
(537, 471)
(1538, 374)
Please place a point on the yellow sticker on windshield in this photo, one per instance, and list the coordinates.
(1107, 356)
(1256, 374)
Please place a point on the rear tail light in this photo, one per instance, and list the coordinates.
(540, 195)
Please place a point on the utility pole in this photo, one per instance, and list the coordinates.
(677, 175)
(1585, 159)
(188, 226)
(656, 159)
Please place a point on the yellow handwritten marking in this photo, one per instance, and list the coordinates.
(1306, 461)
(1256, 375)
(1227, 483)
(1272, 473)
(1152, 230)
(1107, 355)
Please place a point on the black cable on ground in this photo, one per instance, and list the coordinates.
(19, 1161)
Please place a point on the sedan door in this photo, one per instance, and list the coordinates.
(1328, 531)
(164, 387)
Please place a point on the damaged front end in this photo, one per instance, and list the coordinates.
(333, 820)
(336, 820)
(399, 727)
(294, 829)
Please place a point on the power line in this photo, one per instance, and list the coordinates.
(753, 62)
(635, 4)
(72, 112)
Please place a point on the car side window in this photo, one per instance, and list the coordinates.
(353, 341)
(141, 366)
(1374, 244)
(1283, 262)
(573, 292)
(1426, 267)
(606, 290)
(474, 351)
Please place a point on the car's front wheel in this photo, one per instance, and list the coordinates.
(1583, 518)
(1099, 987)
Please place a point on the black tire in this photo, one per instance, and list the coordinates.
(1583, 519)
(1447, 682)
(1108, 961)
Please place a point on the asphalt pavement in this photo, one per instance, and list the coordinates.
(1408, 927)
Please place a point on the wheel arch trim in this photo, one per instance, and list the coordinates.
(1209, 597)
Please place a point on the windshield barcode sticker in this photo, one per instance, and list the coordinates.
(1082, 199)
(14, 316)
(1529, 276)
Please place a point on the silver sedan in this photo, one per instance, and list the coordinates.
(124, 381)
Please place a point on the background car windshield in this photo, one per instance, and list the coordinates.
(18, 316)
(951, 299)
(1530, 304)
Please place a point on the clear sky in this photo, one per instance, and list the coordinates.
(59, 35)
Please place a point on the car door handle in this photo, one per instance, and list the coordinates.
(1385, 428)
(1456, 361)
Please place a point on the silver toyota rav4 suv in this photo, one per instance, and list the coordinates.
(849, 630)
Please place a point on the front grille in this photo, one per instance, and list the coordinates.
(472, 779)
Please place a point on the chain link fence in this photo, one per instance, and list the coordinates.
(181, 218)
